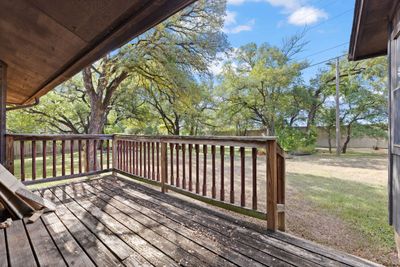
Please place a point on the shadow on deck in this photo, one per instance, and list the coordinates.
(113, 221)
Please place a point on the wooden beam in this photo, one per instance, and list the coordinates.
(3, 97)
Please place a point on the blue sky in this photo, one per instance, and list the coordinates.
(328, 24)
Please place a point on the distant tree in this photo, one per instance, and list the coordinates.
(265, 81)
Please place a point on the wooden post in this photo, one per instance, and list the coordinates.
(272, 212)
(9, 164)
(3, 98)
(281, 192)
(164, 171)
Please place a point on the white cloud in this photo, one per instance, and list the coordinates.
(297, 11)
(230, 18)
(240, 28)
(307, 15)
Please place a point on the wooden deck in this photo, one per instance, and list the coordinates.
(112, 221)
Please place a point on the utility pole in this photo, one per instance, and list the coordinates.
(337, 109)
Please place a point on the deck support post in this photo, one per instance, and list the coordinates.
(272, 191)
(3, 98)
(164, 171)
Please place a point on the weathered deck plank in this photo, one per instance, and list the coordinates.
(264, 253)
(3, 249)
(212, 220)
(97, 251)
(211, 244)
(19, 249)
(116, 222)
(45, 250)
(73, 254)
(152, 220)
(105, 212)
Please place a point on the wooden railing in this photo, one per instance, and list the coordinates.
(243, 174)
(60, 156)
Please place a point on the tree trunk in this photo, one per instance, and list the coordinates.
(330, 141)
(344, 148)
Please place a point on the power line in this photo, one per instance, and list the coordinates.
(324, 50)
(324, 61)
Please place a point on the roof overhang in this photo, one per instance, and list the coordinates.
(46, 42)
(369, 36)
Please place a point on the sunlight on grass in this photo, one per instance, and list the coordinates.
(363, 206)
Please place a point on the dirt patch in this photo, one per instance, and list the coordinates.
(364, 169)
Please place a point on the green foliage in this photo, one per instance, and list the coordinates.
(297, 140)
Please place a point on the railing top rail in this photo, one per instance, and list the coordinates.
(248, 141)
(22, 137)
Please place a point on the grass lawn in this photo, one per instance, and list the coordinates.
(352, 190)
(363, 206)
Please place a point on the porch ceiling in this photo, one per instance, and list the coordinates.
(369, 34)
(46, 42)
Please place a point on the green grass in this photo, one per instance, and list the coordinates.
(49, 165)
(363, 206)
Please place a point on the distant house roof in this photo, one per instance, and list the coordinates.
(46, 42)
(369, 36)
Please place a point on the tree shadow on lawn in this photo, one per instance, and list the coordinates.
(350, 216)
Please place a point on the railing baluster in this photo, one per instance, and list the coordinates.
(232, 187)
(272, 212)
(153, 176)
(148, 161)
(242, 178)
(22, 152)
(281, 191)
(140, 155)
(177, 165)
(33, 160)
(137, 158)
(144, 159)
(171, 151)
(72, 155)
(190, 168)
(80, 156)
(63, 157)
(101, 154)
(196, 148)
(94, 155)
(87, 156)
(213, 189)
(44, 155)
(204, 170)
(108, 154)
(130, 156)
(158, 160)
(164, 167)
(183, 166)
(54, 158)
(222, 192)
(254, 177)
